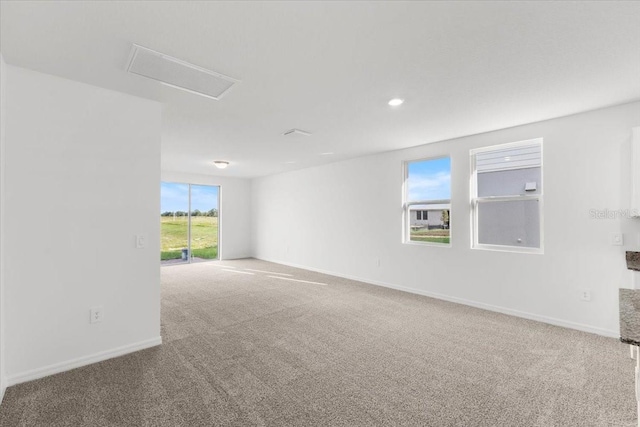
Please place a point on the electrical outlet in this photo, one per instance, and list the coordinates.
(585, 295)
(141, 241)
(617, 239)
(96, 314)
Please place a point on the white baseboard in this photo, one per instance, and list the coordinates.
(484, 306)
(56, 368)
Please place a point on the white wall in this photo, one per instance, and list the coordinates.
(344, 217)
(82, 179)
(235, 210)
(2, 168)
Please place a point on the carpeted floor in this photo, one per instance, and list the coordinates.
(260, 349)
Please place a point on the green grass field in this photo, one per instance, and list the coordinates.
(433, 236)
(204, 237)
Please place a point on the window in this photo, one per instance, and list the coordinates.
(506, 196)
(427, 201)
(422, 215)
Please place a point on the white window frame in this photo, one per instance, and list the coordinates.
(406, 229)
(475, 200)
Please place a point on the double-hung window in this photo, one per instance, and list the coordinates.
(507, 197)
(427, 201)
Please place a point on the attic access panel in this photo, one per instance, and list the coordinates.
(179, 74)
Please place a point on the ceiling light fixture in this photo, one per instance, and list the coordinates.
(221, 164)
(396, 102)
(327, 153)
(296, 132)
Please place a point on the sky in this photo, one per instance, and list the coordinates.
(175, 197)
(429, 180)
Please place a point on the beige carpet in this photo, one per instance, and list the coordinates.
(249, 349)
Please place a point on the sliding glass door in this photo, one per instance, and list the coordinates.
(204, 222)
(188, 222)
(174, 222)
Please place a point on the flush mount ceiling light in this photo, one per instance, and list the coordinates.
(396, 102)
(179, 74)
(221, 164)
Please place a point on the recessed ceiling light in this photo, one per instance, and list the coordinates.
(506, 159)
(327, 153)
(221, 164)
(395, 102)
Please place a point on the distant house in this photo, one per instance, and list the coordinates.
(428, 216)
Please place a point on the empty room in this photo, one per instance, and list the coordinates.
(331, 213)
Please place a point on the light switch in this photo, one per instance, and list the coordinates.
(617, 239)
(141, 241)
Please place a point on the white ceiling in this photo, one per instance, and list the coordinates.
(330, 68)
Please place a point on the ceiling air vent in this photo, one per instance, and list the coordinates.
(179, 74)
(296, 133)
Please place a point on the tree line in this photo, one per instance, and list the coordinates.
(197, 212)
